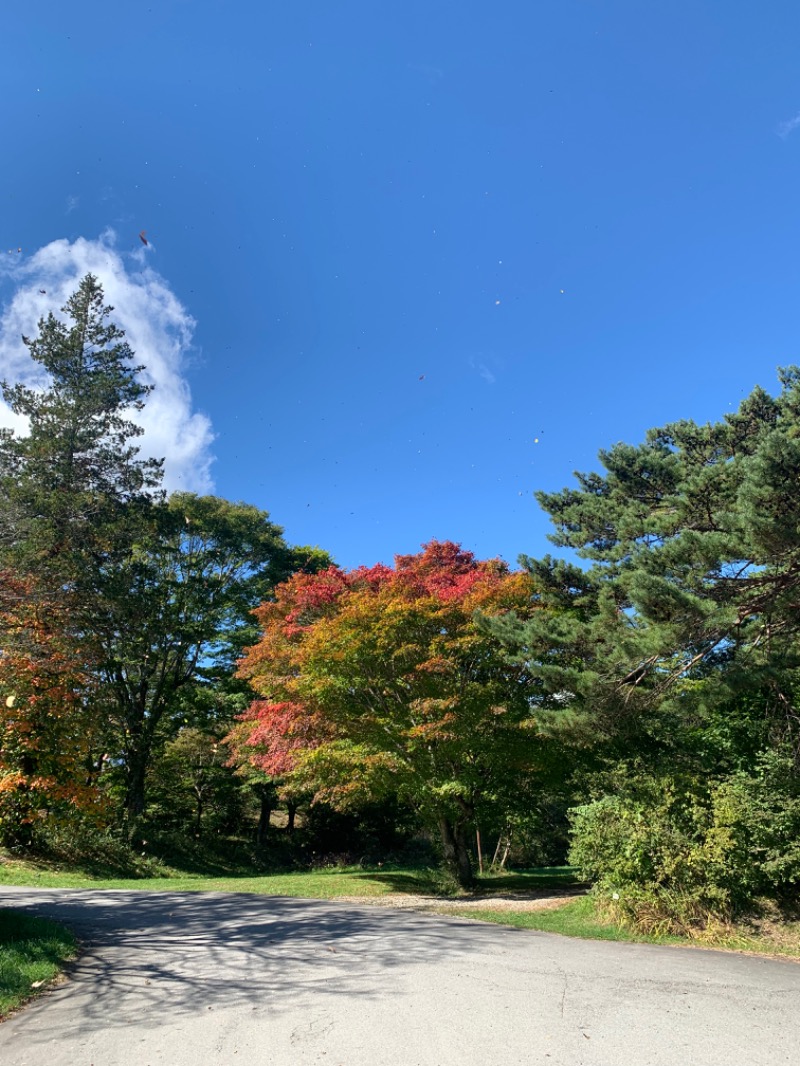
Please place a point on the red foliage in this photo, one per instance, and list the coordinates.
(272, 734)
(444, 570)
(422, 609)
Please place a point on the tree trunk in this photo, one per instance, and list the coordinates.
(456, 852)
(135, 787)
(264, 816)
(291, 811)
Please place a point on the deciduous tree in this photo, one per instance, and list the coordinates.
(46, 766)
(379, 681)
(180, 606)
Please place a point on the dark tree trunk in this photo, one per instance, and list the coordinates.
(135, 787)
(291, 811)
(456, 852)
(264, 816)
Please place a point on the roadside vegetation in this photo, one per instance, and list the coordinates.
(32, 952)
(769, 933)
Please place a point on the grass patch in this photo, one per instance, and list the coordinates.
(32, 951)
(576, 917)
(579, 918)
(322, 883)
(314, 884)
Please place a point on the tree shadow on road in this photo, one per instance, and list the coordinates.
(151, 958)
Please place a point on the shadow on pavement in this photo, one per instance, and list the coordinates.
(149, 958)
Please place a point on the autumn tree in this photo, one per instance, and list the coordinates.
(74, 494)
(379, 681)
(46, 766)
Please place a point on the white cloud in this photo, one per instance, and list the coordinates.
(157, 327)
(787, 127)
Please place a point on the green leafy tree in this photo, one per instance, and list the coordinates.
(193, 785)
(179, 613)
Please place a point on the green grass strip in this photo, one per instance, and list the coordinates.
(325, 883)
(32, 951)
(578, 918)
(575, 918)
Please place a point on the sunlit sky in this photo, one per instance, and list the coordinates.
(408, 263)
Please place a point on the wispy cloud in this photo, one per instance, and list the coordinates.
(483, 370)
(787, 127)
(434, 75)
(157, 326)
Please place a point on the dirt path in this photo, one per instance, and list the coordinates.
(501, 901)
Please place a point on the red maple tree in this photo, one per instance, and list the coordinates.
(382, 679)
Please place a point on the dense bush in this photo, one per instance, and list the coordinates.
(98, 851)
(674, 854)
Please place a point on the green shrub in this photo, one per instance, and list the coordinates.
(667, 854)
(754, 842)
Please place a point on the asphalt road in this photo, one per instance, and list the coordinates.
(206, 979)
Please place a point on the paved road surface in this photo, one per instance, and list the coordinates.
(206, 979)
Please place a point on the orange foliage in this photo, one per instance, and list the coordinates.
(44, 734)
(385, 669)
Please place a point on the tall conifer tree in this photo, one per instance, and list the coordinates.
(74, 498)
(70, 487)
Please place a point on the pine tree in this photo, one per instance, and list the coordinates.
(70, 488)
(689, 604)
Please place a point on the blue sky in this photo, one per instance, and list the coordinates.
(410, 262)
